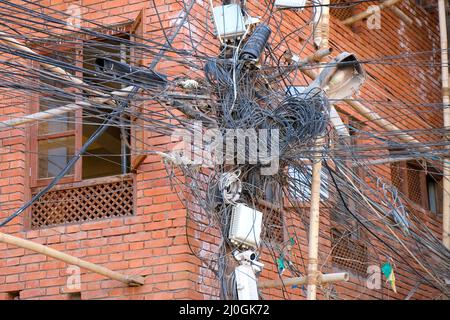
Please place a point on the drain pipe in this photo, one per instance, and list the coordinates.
(446, 110)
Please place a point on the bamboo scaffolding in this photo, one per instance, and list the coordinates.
(130, 280)
(43, 115)
(51, 113)
(321, 278)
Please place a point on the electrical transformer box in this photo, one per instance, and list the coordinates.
(229, 21)
(245, 226)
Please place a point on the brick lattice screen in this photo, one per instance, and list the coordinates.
(348, 254)
(414, 185)
(396, 176)
(86, 203)
(341, 9)
(273, 220)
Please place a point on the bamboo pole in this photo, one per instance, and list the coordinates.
(40, 115)
(313, 237)
(322, 278)
(369, 12)
(51, 113)
(401, 15)
(39, 248)
(322, 21)
(446, 111)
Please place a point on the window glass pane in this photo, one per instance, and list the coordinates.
(103, 158)
(59, 124)
(432, 195)
(55, 92)
(54, 155)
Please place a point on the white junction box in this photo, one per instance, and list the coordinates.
(290, 3)
(229, 21)
(245, 226)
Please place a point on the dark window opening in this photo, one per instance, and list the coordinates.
(432, 195)
(273, 219)
(104, 156)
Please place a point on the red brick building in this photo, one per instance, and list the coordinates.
(134, 222)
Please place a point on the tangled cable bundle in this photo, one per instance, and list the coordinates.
(230, 186)
(301, 120)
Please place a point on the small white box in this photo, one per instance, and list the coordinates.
(245, 226)
(229, 21)
(290, 3)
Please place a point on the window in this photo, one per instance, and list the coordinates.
(422, 185)
(429, 5)
(98, 186)
(56, 139)
(60, 137)
(273, 218)
(270, 203)
(432, 188)
(104, 156)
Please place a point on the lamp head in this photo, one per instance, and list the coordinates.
(342, 78)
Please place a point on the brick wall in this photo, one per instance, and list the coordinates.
(154, 242)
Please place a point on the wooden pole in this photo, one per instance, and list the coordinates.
(39, 248)
(369, 12)
(446, 111)
(322, 278)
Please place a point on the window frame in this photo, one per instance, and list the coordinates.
(135, 28)
(403, 168)
(35, 137)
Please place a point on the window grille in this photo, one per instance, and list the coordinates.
(84, 203)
